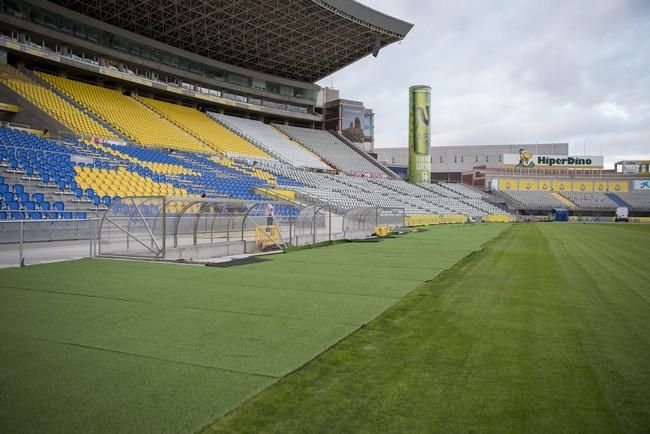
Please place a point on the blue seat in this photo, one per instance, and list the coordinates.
(80, 215)
(4, 188)
(53, 215)
(106, 200)
(59, 206)
(17, 215)
(45, 206)
(66, 215)
(96, 201)
(2, 179)
(23, 197)
(13, 206)
(62, 186)
(36, 215)
(3, 215)
(19, 188)
(30, 206)
(38, 197)
(90, 193)
(78, 192)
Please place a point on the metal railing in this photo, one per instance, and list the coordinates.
(34, 241)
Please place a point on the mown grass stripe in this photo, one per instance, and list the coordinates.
(543, 331)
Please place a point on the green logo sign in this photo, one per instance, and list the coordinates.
(525, 158)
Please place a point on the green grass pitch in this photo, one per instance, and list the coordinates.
(547, 330)
(115, 346)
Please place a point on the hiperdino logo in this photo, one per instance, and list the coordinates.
(524, 158)
(568, 161)
(528, 159)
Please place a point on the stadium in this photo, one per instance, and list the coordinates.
(196, 237)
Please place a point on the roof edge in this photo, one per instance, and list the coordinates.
(74, 15)
(377, 20)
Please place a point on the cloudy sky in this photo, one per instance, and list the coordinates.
(521, 71)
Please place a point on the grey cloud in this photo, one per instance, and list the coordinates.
(518, 71)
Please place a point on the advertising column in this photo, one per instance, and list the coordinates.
(419, 135)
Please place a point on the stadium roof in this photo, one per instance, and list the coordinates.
(303, 40)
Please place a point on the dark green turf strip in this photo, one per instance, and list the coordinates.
(544, 331)
(52, 387)
(117, 346)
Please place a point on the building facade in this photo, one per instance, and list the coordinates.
(465, 158)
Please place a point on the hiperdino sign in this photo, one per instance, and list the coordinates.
(528, 159)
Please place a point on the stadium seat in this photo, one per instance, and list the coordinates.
(331, 149)
(206, 129)
(273, 141)
(125, 170)
(52, 104)
(127, 115)
(19, 188)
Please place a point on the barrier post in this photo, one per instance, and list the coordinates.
(313, 227)
(164, 227)
(329, 235)
(21, 261)
(291, 232)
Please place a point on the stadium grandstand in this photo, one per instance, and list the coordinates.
(174, 134)
(585, 189)
(584, 192)
(110, 74)
(132, 110)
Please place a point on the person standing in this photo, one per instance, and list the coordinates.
(269, 212)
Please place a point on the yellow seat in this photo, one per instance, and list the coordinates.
(127, 115)
(51, 103)
(205, 129)
(122, 183)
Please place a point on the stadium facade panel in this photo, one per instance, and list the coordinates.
(465, 158)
